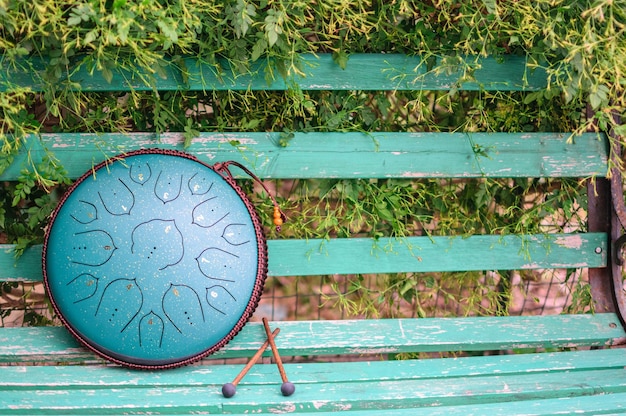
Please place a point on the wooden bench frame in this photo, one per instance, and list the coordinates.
(573, 370)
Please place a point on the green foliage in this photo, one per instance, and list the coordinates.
(26, 301)
(27, 203)
(581, 44)
(394, 207)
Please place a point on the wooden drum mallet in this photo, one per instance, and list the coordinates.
(288, 388)
(229, 389)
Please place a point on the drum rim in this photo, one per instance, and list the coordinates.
(253, 301)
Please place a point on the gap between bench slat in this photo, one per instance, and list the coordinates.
(389, 255)
(347, 155)
(360, 337)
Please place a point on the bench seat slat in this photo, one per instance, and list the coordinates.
(414, 383)
(407, 393)
(387, 255)
(354, 337)
(595, 404)
(380, 72)
(97, 376)
(348, 155)
(323, 396)
(592, 404)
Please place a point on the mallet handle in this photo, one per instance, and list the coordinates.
(277, 358)
(256, 355)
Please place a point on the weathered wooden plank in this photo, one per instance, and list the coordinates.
(41, 345)
(441, 254)
(321, 396)
(26, 268)
(347, 155)
(390, 255)
(97, 376)
(462, 391)
(602, 403)
(447, 334)
(357, 337)
(319, 72)
(261, 384)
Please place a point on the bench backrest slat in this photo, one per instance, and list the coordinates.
(436, 254)
(386, 255)
(349, 155)
(362, 72)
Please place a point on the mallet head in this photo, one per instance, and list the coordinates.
(287, 388)
(229, 390)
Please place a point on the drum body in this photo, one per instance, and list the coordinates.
(155, 259)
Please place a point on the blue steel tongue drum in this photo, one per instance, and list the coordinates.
(155, 259)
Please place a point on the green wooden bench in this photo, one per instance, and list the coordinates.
(575, 365)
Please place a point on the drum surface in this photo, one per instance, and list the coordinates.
(154, 260)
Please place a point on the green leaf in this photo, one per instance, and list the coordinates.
(599, 97)
(491, 6)
(384, 212)
(341, 58)
(252, 124)
(272, 37)
(620, 130)
(119, 4)
(74, 20)
(258, 49)
(533, 96)
(90, 36)
(408, 285)
(190, 133)
(241, 17)
(107, 74)
(595, 101)
(285, 138)
(273, 29)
